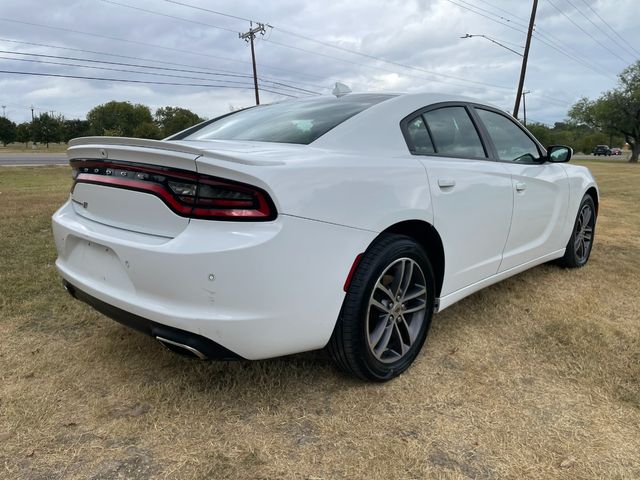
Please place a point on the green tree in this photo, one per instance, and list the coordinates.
(615, 111)
(172, 120)
(543, 133)
(118, 118)
(47, 128)
(147, 130)
(7, 131)
(74, 129)
(23, 133)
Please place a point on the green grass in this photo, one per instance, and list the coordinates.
(536, 377)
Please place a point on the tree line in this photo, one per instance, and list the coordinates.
(122, 119)
(582, 138)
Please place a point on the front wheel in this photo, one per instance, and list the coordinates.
(387, 310)
(578, 249)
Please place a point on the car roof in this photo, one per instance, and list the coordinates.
(429, 98)
(377, 127)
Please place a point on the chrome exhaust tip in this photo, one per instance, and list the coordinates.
(181, 348)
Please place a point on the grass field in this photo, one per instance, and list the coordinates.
(536, 377)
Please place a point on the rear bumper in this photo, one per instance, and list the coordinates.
(258, 290)
(210, 349)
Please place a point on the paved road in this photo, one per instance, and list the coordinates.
(32, 158)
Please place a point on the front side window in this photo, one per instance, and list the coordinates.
(512, 144)
(453, 133)
(296, 121)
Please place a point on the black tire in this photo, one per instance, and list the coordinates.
(577, 253)
(349, 346)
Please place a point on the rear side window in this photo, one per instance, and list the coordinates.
(453, 133)
(295, 121)
(419, 136)
(511, 142)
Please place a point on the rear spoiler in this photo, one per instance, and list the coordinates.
(134, 142)
(172, 146)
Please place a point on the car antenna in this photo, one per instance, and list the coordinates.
(340, 90)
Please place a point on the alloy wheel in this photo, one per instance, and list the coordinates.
(396, 310)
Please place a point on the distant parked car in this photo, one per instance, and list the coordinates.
(601, 150)
(616, 151)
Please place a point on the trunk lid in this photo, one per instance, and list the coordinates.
(122, 207)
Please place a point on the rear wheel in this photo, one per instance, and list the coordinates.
(387, 310)
(579, 247)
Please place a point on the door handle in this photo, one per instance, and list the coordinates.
(446, 182)
(521, 186)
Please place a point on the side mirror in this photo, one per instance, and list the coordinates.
(559, 153)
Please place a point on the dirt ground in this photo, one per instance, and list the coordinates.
(536, 377)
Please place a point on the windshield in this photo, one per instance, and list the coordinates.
(295, 121)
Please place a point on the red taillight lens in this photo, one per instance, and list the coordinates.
(188, 194)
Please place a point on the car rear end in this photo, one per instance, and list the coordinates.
(192, 247)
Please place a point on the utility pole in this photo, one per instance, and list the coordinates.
(4, 114)
(524, 105)
(249, 37)
(33, 130)
(523, 70)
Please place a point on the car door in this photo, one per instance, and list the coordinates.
(540, 191)
(471, 195)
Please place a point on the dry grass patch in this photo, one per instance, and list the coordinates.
(536, 377)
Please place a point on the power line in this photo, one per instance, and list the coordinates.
(337, 47)
(503, 10)
(143, 66)
(380, 59)
(243, 84)
(557, 101)
(114, 69)
(635, 52)
(149, 60)
(506, 19)
(375, 67)
(569, 51)
(373, 57)
(546, 42)
(586, 32)
(210, 11)
(596, 26)
(487, 17)
(146, 82)
(169, 16)
(190, 52)
(571, 56)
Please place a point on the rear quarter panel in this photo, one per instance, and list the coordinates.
(369, 192)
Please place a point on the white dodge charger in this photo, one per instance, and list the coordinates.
(340, 222)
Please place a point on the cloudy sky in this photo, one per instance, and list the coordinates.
(579, 47)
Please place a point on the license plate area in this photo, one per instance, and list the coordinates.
(98, 263)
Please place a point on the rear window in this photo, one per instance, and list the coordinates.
(295, 121)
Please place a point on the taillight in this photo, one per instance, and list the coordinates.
(188, 194)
